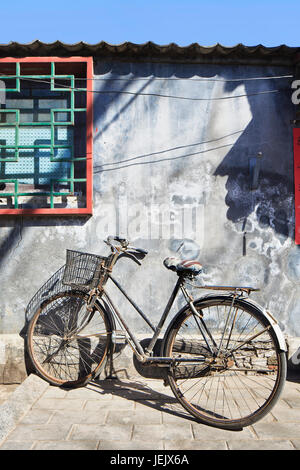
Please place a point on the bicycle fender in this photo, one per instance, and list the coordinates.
(250, 303)
(104, 306)
(273, 322)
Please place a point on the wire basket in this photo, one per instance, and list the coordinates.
(84, 270)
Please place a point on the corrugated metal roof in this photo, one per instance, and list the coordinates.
(280, 55)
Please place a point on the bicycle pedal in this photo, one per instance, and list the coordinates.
(119, 337)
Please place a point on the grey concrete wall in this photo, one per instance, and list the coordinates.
(170, 170)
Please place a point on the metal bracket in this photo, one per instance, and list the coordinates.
(255, 167)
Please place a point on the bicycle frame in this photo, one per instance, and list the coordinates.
(138, 350)
(146, 355)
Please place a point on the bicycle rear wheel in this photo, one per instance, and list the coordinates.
(67, 343)
(237, 376)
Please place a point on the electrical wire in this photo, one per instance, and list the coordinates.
(188, 98)
(154, 94)
(200, 79)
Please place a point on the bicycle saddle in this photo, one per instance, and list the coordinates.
(189, 267)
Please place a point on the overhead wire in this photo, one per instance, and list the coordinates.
(160, 94)
(200, 79)
(185, 97)
(270, 77)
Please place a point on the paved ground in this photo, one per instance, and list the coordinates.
(6, 391)
(131, 414)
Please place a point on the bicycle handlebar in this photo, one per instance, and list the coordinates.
(126, 250)
(110, 238)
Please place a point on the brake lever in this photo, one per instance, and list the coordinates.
(131, 255)
(139, 250)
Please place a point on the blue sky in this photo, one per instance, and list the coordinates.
(228, 22)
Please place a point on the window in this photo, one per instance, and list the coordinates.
(46, 135)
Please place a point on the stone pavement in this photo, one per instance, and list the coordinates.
(6, 390)
(132, 414)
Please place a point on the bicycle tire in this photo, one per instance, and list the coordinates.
(243, 384)
(67, 344)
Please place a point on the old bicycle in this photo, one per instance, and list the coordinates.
(223, 355)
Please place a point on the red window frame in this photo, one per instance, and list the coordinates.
(88, 210)
(296, 137)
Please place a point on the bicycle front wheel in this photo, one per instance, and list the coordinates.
(66, 342)
(238, 370)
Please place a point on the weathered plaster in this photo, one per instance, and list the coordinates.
(156, 161)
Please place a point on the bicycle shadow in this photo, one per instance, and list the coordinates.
(134, 390)
(293, 376)
(137, 391)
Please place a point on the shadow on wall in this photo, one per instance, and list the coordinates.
(269, 132)
(16, 226)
